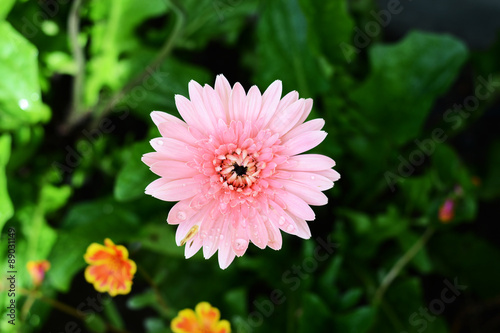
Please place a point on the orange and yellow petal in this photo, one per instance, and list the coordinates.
(109, 268)
(37, 270)
(205, 318)
(223, 327)
(207, 314)
(185, 322)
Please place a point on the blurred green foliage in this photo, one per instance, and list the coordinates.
(79, 80)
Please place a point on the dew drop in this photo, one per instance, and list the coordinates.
(23, 104)
(160, 142)
(290, 228)
(281, 220)
(312, 177)
(240, 243)
(181, 215)
(221, 236)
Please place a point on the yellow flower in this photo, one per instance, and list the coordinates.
(204, 320)
(37, 270)
(109, 268)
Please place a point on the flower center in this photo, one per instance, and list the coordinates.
(237, 169)
(240, 169)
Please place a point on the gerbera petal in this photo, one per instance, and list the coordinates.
(253, 104)
(306, 193)
(214, 105)
(174, 130)
(311, 125)
(173, 169)
(296, 206)
(237, 101)
(188, 112)
(223, 89)
(308, 162)
(172, 149)
(160, 117)
(257, 231)
(203, 111)
(274, 234)
(180, 212)
(173, 190)
(304, 142)
(286, 118)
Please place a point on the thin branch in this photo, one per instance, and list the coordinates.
(401, 263)
(159, 297)
(77, 112)
(164, 52)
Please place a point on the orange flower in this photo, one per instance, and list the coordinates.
(204, 320)
(110, 269)
(447, 211)
(37, 270)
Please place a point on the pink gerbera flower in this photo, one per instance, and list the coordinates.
(234, 166)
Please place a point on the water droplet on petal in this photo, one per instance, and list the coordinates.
(290, 228)
(221, 236)
(312, 177)
(240, 243)
(281, 220)
(160, 142)
(181, 215)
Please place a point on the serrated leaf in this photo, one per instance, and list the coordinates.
(20, 95)
(283, 50)
(405, 80)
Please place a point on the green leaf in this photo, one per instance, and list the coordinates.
(161, 239)
(96, 324)
(6, 207)
(87, 223)
(140, 301)
(284, 52)
(331, 28)
(155, 325)
(359, 320)
(215, 19)
(405, 80)
(157, 92)
(5, 7)
(53, 197)
(113, 35)
(20, 95)
(421, 261)
(315, 316)
(133, 178)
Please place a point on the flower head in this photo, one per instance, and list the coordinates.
(447, 211)
(37, 270)
(109, 268)
(234, 166)
(204, 320)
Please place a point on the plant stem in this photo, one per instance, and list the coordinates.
(77, 109)
(63, 307)
(156, 290)
(147, 72)
(401, 263)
